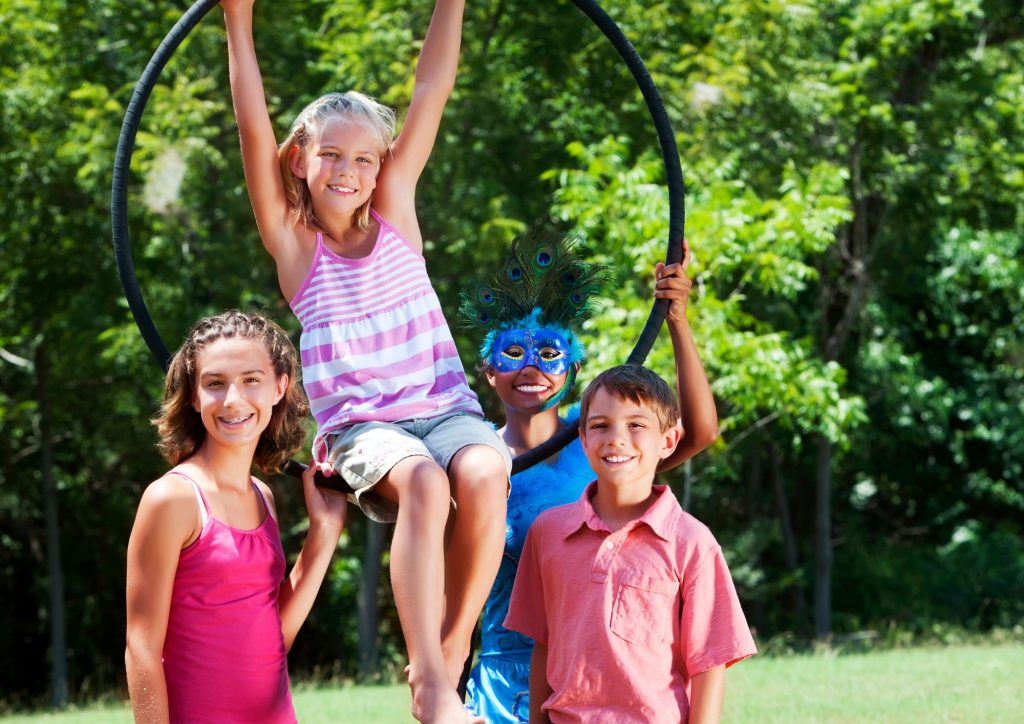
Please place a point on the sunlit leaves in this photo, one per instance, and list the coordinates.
(741, 244)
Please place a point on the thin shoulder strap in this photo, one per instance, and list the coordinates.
(266, 505)
(387, 228)
(204, 507)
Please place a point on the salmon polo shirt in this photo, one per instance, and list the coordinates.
(629, 617)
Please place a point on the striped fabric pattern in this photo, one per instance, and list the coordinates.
(375, 345)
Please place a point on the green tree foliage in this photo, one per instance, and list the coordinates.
(854, 206)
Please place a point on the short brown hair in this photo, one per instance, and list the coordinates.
(181, 428)
(638, 385)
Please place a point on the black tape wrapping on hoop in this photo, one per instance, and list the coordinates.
(122, 242)
(676, 204)
(122, 167)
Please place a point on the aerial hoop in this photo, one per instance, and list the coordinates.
(126, 146)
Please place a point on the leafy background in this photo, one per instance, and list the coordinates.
(854, 174)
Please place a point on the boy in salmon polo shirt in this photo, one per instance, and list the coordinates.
(627, 597)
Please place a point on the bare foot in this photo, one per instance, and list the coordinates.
(434, 702)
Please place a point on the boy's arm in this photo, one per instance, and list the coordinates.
(435, 79)
(696, 402)
(713, 632)
(259, 147)
(540, 690)
(707, 692)
(527, 613)
(326, 519)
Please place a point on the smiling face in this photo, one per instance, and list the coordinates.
(624, 440)
(340, 166)
(528, 366)
(236, 390)
(526, 389)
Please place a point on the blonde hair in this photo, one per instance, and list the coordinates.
(353, 107)
(181, 428)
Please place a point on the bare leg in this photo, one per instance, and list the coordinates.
(420, 487)
(480, 488)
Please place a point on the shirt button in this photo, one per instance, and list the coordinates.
(609, 545)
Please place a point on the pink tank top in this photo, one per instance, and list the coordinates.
(224, 657)
(375, 345)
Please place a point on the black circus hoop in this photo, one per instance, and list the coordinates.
(126, 146)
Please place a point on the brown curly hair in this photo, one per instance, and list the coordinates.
(181, 428)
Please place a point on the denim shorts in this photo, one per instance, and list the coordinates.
(364, 453)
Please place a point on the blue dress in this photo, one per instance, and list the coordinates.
(499, 685)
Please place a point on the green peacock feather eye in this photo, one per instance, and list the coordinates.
(542, 281)
(545, 257)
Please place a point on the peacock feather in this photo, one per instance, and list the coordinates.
(539, 273)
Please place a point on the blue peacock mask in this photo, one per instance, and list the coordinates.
(546, 349)
(533, 307)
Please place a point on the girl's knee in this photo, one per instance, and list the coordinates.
(421, 484)
(479, 470)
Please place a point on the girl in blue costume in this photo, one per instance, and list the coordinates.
(532, 311)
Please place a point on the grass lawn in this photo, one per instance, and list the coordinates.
(932, 684)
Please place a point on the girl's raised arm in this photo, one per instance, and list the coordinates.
(166, 520)
(259, 147)
(435, 79)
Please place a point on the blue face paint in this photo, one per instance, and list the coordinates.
(546, 349)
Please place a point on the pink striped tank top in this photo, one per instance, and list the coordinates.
(375, 345)
(224, 657)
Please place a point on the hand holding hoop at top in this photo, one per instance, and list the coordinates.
(673, 283)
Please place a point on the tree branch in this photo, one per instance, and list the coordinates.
(15, 359)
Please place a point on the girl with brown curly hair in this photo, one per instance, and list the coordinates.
(210, 614)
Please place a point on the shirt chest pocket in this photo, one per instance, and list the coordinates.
(645, 611)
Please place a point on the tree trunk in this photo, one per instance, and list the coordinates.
(368, 611)
(823, 541)
(58, 641)
(789, 549)
(752, 477)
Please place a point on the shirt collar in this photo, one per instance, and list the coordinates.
(660, 517)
